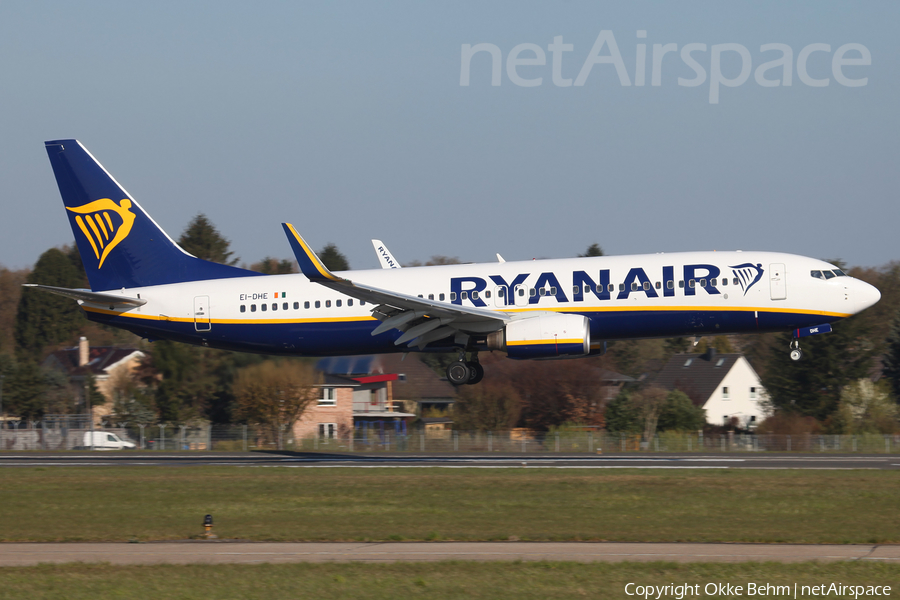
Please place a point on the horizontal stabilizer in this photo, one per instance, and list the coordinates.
(111, 300)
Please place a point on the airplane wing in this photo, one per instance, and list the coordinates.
(111, 300)
(384, 255)
(422, 321)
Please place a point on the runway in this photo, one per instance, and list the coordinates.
(225, 552)
(688, 460)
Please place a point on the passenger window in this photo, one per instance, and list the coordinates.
(243, 308)
(501, 292)
(610, 288)
(452, 296)
(681, 283)
(274, 306)
(421, 296)
(646, 285)
(350, 302)
(543, 292)
(296, 306)
(338, 303)
(464, 295)
(670, 285)
(552, 291)
(713, 282)
(621, 287)
(284, 306)
(634, 286)
(306, 304)
(318, 304)
(474, 295)
(658, 285)
(702, 283)
(734, 281)
(441, 297)
(431, 296)
(328, 304)
(521, 291)
(576, 289)
(252, 308)
(263, 307)
(362, 302)
(692, 283)
(532, 292)
(724, 281)
(487, 294)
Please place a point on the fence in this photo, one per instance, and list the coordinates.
(57, 435)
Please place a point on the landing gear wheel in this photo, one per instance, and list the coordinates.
(458, 373)
(476, 373)
(796, 354)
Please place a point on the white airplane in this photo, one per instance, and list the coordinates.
(142, 281)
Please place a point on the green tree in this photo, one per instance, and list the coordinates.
(812, 386)
(678, 413)
(489, 406)
(44, 319)
(622, 416)
(10, 292)
(332, 258)
(592, 250)
(890, 362)
(203, 240)
(23, 391)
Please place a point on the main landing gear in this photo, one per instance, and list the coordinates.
(796, 352)
(463, 372)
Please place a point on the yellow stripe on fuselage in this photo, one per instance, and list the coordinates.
(547, 342)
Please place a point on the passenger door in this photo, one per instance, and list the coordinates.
(777, 282)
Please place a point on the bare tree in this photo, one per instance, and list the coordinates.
(275, 394)
(650, 402)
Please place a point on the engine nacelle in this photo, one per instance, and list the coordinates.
(544, 336)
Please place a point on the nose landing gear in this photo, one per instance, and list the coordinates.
(796, 352)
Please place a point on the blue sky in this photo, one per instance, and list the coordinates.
(348, 119)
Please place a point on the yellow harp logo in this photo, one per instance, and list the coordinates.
(98, 226)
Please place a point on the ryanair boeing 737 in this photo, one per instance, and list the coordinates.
(142, 281)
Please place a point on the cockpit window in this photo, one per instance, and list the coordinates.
(828, 274)
(839, 273)
(817, 274)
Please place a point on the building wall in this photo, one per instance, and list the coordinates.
(739, 404)
(341, 415)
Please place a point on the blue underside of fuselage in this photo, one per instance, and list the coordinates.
(354, 337)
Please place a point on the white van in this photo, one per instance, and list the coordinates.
(104, 440)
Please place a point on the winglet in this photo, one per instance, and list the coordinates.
(310, 264)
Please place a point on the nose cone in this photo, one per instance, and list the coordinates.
(864, 295)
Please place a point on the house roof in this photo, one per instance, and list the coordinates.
(420, 382)
(100, 360)
(697, 375)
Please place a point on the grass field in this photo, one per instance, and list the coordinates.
(150, 503)
(436, 581)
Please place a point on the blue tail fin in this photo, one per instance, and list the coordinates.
(120, 245)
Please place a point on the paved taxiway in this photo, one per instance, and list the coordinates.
(692, 460)
(25, 554)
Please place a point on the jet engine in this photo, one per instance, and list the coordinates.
(548, 335)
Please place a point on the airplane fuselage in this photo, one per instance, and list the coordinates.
(639, 296)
